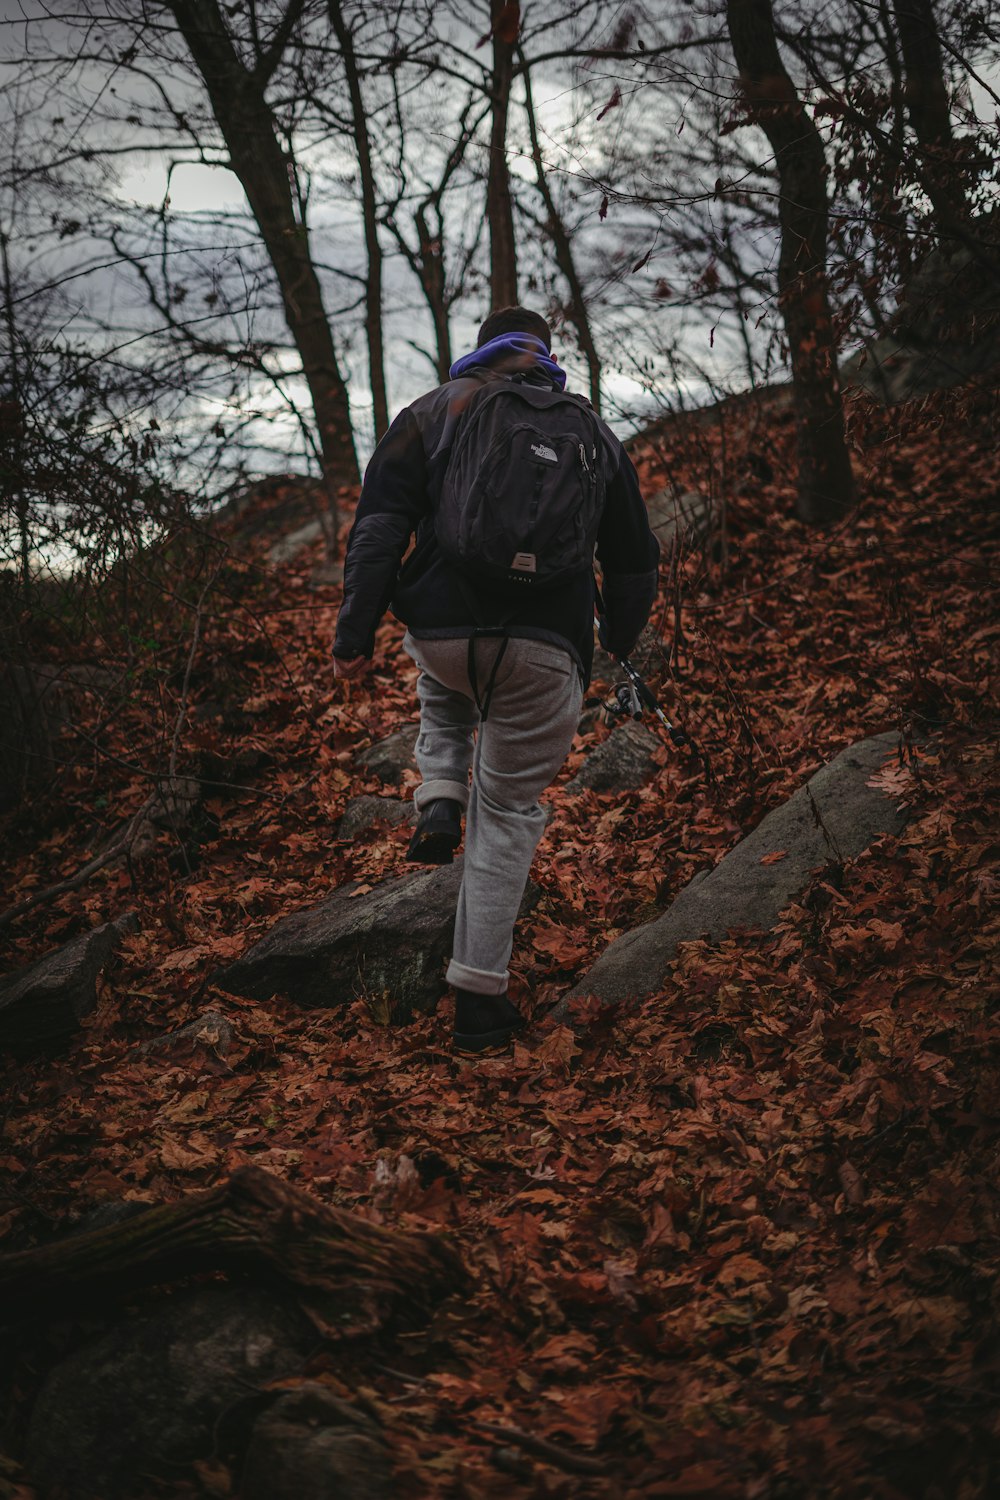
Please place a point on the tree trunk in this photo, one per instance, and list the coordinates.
(433, 281)
(929, 111)
(825, 483)
(427, 264)
(253, 1221)
(373, 283)
(887, 166)
(256, 156)
(504, 19)
(427, 261)
(564, 257)
(12, 433)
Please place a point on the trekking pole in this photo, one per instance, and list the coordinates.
(634, 695)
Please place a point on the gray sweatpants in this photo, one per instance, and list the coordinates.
(533, 715)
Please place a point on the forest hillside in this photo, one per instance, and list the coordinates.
(737, 1238)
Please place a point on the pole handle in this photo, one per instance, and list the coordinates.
(641, 693)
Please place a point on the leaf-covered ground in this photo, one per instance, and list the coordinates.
(739, 1240)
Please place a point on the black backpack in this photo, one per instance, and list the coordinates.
(523, 493)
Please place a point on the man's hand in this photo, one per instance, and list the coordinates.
(349, 666)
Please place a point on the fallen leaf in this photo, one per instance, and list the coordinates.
(559, 1047)
(176, 1156)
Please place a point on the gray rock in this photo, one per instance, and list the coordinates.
(605, 669)
(945, 330)
(144, 1398)
(388, 759)
(202, 1044)
(268, 510)
(174, 808)
(290, 546)
(311, 1446)
(175, 804)
(43, 1004)
(591, 716)
(836, 815)
(647, 648)
(362, 813)
(624, 761)
(680, 513)
(226, 775)
(389, 943)
(329, 573)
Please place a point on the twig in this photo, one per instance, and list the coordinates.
(121, 846)
(182, 717)
(820, 821)
(562, 1458)
(189, 665)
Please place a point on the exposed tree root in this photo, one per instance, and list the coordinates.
(252, 1221)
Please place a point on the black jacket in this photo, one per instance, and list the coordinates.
(402, 484)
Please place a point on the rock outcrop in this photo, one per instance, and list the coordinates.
(624, 761)
(388, 942)
(310, 1445)
(199, 1047)
(835, 816)
(42, 1005)
(143, 1399)
(945, 331)
(388, 759)
(677, 513)
(362, 813)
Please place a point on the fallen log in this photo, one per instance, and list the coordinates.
(251, 1222)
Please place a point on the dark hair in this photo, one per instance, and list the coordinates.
(514, 320)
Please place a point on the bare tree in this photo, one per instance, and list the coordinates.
(13, 497)
(562, 248)
(369, 210)
(929, 109)
(825, 483)
(238, 98)
(505, 20)
(428, 256)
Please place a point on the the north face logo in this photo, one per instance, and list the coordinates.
(549, 454)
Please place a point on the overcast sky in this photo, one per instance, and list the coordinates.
(91, 98)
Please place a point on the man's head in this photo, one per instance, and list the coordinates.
(514, 320)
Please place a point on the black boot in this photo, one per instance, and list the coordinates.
(438, 833)
(483, 1021)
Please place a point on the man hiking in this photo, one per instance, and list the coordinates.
(508, 483)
